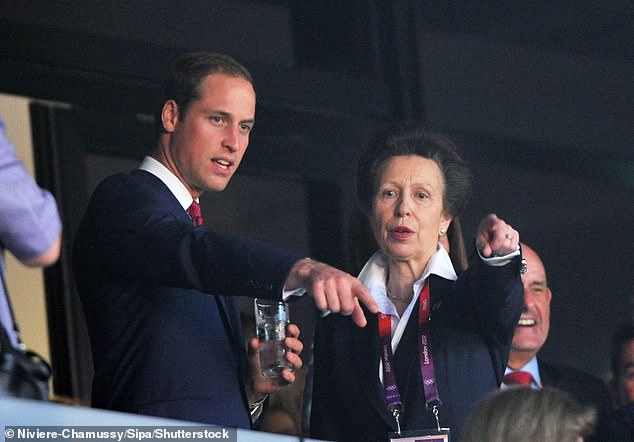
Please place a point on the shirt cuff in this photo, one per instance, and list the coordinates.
(296, 292)
(256, 409)
(498, 261)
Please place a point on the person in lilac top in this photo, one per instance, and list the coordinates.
(30, 226)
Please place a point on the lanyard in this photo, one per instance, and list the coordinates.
(426, 362)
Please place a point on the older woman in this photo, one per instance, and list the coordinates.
(439, 343)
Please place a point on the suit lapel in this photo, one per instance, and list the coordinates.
(164, 193)
(227, 307)
(366, 356)
(406, 359)
(230, 314)
(231, 321)
(366, 353)
(548, 376)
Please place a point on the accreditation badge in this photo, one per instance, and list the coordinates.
(435, 435)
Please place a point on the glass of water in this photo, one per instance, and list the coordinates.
(271, 319)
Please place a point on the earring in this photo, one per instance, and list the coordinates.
(443, 231)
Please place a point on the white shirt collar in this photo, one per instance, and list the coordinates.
(374, 276)
(172, 182)
(533, 368)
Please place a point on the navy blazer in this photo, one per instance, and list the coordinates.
(157, 294)
(587, 390)
(473, 320)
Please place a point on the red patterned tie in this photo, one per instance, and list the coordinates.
(196, 215)
(518, 378)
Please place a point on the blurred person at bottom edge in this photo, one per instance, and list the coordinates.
(525, 415)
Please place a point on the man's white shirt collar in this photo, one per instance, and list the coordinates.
(172, 182)
(533, 368)
(183, 196)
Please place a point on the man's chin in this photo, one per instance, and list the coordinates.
(217, 186)
(525, 346)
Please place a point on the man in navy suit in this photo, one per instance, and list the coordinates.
(530, 335)
(158, 291)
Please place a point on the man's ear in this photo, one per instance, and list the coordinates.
(169, 115)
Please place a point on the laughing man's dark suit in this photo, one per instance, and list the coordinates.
(165, 333)
(587, 390)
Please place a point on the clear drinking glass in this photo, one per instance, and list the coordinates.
(271, 319)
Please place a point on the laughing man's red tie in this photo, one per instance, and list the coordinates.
(196, 215)
(518, 378)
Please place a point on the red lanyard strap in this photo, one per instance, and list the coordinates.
(392, 395)
(425, 358)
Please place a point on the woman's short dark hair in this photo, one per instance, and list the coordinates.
(391, 142)
(183, 81)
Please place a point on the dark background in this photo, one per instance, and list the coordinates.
(539, 93)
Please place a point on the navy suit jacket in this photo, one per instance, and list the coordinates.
(157, 294)
(587, 390)
(473, 320)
